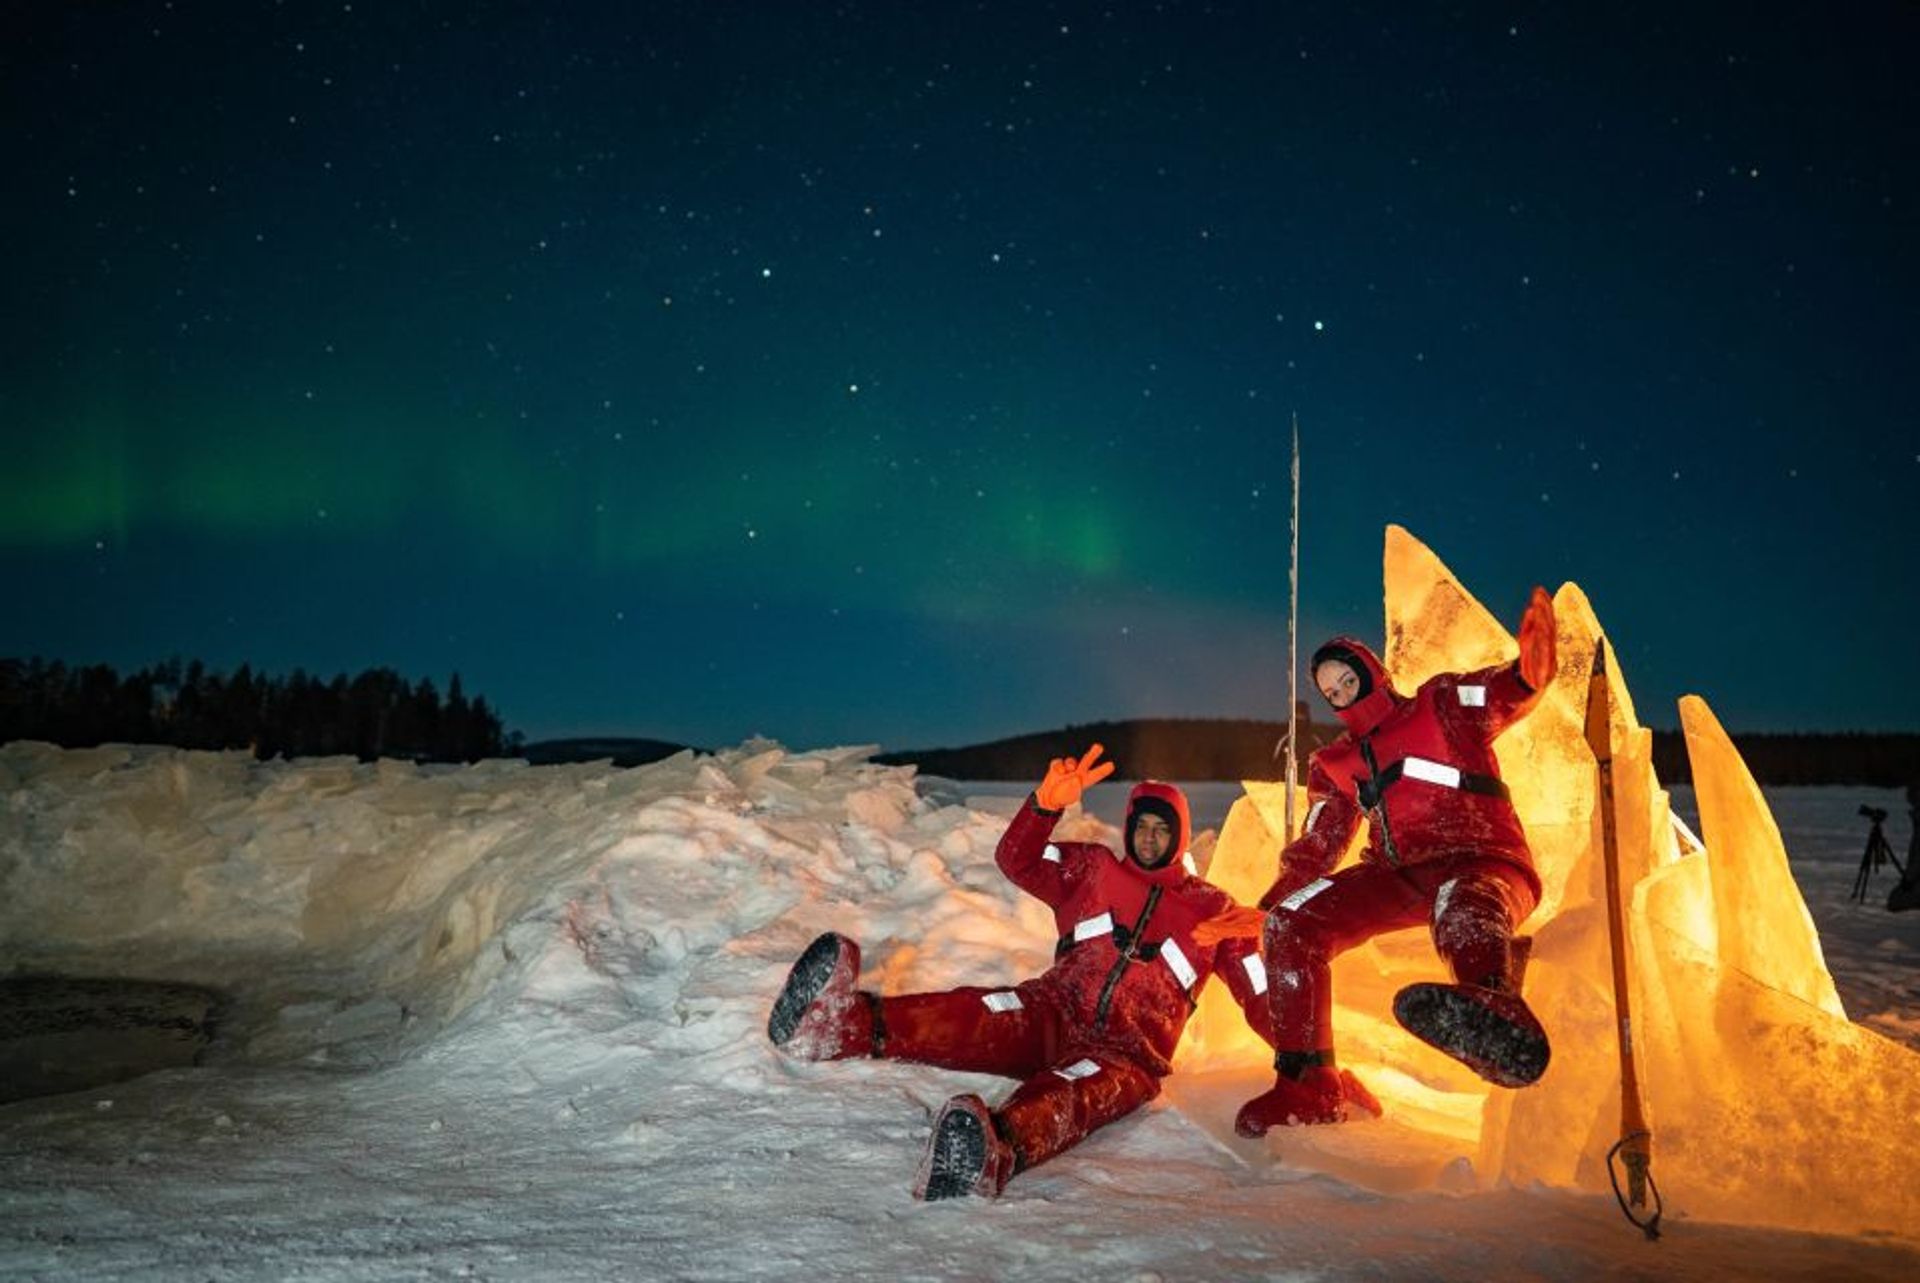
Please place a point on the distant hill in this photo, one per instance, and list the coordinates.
(1203, 749)
(1157, 748)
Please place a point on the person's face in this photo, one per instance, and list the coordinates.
(1338, 682)
(1152, 840)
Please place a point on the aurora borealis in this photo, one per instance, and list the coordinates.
(920, 373)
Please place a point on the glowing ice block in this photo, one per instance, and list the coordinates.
(1767, 1106)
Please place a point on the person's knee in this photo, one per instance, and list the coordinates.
(1479, 898)
(1468, 910)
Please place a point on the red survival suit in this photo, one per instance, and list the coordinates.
(1092, 1037)
(1445, 849)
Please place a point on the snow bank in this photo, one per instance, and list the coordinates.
(362, 909)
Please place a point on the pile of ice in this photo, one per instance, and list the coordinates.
(354, 910)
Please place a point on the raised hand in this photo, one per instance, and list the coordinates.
(1069, 777)
(1537, 660)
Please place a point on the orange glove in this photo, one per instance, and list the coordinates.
(1537, 661)
(1238, 921)
(1069, 777)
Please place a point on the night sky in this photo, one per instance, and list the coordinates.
(921, 373)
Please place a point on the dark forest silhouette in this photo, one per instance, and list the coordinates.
(1876, 759)
(376, 714)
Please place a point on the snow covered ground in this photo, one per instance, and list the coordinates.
(506, 1022)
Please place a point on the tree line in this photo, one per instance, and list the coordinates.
(376, 714)
(1875, 759)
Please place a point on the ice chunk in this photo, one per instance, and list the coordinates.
(1760, 1094)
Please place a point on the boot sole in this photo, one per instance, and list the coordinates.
(1500, 1051)
(956, 1156)
(805, 983)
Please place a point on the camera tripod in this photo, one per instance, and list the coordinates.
(1878, 855)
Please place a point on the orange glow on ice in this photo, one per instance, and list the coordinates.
(1766, 1104)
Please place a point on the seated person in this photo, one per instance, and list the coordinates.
(1089, 1039)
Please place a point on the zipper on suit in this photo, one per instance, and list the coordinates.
(1126, 958)
(1379, 792)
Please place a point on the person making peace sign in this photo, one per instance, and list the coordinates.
(1091, 1038)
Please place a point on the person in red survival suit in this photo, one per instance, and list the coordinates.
(1445, 850)
(1091, 1038)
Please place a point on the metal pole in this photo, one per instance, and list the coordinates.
(1635, 1146)
(1293, 631)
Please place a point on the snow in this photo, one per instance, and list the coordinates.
(507, 1022)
